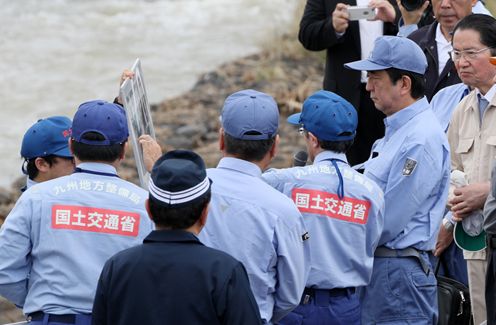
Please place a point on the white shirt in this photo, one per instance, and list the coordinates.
(443, 49)
(369, 31)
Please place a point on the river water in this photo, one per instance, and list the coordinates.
(55, 54)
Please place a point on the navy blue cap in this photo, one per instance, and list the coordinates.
(178, 178)
(47, 137)
(250, 115)
(328, 116)
(393, 52)
(102, 117)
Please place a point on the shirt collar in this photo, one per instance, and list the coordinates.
(98, 167)
(440, 39)
(169, 236)
(240, 165)
(30, 182)
(489, 96)
(400, 118)
(326, 155)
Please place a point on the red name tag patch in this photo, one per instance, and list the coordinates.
(323, 203)
(95, 220)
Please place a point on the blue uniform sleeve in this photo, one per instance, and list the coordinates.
(293, 264)
(238, 302)
(414, 176)
(276, 178)
(15, 258)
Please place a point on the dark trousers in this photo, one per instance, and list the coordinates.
(453, 265)
(330, 307)
(491, 282)
(370, 128)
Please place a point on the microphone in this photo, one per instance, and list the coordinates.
(300, 159)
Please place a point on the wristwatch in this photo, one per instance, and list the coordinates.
(448, 226)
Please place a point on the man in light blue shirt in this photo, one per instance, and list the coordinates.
(61, 232)
(342, 209)
(411, 164)
(250, 220)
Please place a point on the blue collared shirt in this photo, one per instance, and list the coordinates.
(412, 167)
(263, 229)
(445, 101)
(57, 238)
(344, 233)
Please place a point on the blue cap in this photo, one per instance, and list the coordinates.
(393, 52)
(99, 116)
(250, 115)
(328, 116)
(47, 137)
(178, 178)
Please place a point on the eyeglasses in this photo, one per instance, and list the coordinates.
(467, 54)
(301, 130)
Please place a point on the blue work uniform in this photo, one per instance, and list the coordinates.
(411, 164)
(444, 102)
(60, 233)
(264, 230)
(344, 235)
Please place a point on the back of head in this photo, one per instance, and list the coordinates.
(250, 120)
(485, 25)
(99, 131)
(328, 116)
(179, 189)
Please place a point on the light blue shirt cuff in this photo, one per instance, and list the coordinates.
(339, 35)
(406, 30)
(449, 216)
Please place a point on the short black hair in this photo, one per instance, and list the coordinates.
(250, 150)
(336, 146)
(88, 152)
(485, 25)
(418, 81)
(178, 218)
(31, 170)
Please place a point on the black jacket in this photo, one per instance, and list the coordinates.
(425, 37)
(317, 33)
(174, 279)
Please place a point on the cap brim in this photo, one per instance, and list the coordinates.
(365, 65)
(294, 119)
(467, 242)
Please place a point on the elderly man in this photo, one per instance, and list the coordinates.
(435, 41)
(472, 135)
(411, 165)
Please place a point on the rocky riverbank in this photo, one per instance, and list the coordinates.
(191, 121)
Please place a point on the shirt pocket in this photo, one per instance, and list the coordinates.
(465, 151)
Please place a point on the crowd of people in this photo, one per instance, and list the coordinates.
(352, 238)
